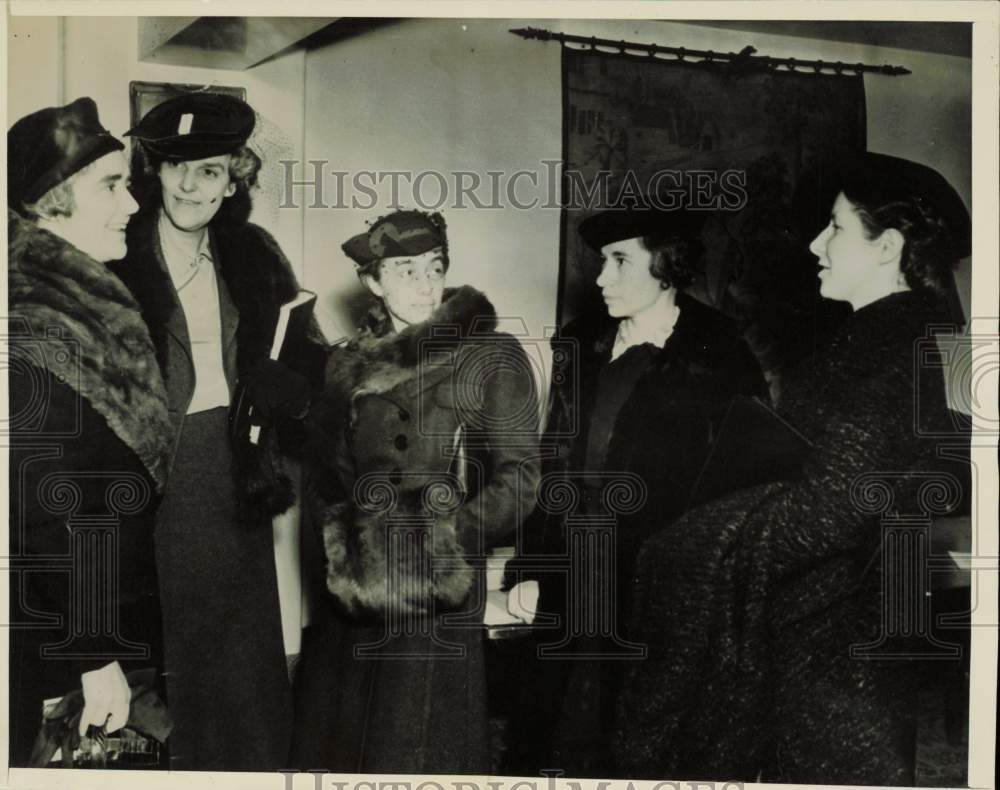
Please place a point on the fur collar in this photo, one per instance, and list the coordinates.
(89, 317)
(378, 359)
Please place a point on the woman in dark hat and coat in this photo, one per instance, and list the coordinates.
(89, 432)
(638, 394)
(423, 456)
(210, 284)
(765, 612)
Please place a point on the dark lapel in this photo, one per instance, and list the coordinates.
(179, 371)
(229, 315)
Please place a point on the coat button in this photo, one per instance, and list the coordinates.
(396, 476)
(404, 415)
(401, 442)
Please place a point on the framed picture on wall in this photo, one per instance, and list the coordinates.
(144, 96)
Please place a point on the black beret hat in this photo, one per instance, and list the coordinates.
(905, 180)
(195, 126)
(397, 234)
(48, 146)
(613, 225)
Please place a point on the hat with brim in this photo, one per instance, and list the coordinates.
(400, 234)
(50, 145)
(195, 126)
(905, 180)
(606, 227)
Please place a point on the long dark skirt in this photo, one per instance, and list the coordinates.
(411, 704)
(227, 682)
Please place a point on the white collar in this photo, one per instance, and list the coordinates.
(653, 325)
(181, 265)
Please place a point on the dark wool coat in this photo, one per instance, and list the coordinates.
(383, 440)
(750, 605)
(228, 683)
(661, 437)
(90, 439)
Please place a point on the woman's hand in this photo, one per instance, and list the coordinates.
(106, 698)
(275, 390)
(522, 600)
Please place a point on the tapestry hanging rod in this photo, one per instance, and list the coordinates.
(744, 60)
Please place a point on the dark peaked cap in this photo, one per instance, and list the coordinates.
(48, 146)
(613, 225)
(195, 126)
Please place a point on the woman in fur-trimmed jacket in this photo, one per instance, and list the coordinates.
(423, 457)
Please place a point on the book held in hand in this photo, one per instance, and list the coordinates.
(290, 335)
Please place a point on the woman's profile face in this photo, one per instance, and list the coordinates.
(849, 261)
(411, 286)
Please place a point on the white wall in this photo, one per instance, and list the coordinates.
(34, 65)
(441, 95)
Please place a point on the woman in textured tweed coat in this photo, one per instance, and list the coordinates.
(752, 605)
(423, 457)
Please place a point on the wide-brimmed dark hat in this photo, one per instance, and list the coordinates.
(905, 180)
(48, 146)
(195, 126)
(397, 234)
(614, 225)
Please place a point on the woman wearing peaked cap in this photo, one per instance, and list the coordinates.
(423, 457)
(90, 432)
(210, 284)
(766, 612)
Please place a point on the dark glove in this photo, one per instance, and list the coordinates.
(275, 391)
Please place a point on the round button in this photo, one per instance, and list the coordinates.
(404, 415)
(401, 442)
(396, 476)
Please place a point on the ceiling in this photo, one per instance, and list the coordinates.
(243, 42)
(943, 38)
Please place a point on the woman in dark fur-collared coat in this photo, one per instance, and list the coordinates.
(210, 285)
(771, 648)
(422, 457)
(638, 394)
(89, 435)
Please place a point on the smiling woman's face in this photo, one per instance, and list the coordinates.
(848, 259)
(193, 191)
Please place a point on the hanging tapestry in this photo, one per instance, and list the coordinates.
(746, 147)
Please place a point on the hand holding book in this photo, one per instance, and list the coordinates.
(271, 389)
(274, 391)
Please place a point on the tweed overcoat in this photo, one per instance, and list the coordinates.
(751, 604)
(89, 443)
(434, 426)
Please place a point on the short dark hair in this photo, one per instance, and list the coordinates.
(929, 252)
(675, 257)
